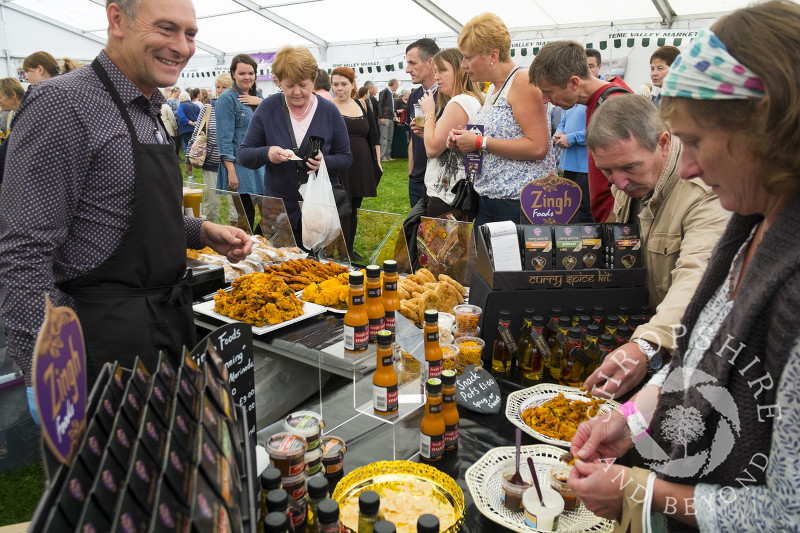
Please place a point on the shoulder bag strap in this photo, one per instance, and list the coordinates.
(509, 78)
(285, 110)
(206, 116)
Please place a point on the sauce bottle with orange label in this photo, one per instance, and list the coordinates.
(433, 352)
(384, 380)
(449, 410)
(432, 427)
(391, 300)
(375, 312)
(356, 322)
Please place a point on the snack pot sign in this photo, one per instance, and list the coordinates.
(59, 379)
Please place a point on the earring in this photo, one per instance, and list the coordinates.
(491, 64)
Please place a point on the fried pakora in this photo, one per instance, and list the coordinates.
(259, 299)
(559, 418)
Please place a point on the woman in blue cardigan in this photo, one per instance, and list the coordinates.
(269, 140)
(187, 120)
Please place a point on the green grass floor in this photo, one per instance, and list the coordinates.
(20, 490)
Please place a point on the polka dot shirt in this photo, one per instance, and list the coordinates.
(68, 192)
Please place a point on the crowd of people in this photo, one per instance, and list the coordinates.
(692, 159)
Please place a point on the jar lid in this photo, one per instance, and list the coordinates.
(390, 265)
(333, 446)
(286, 444)
(305, 423)
(313, 455)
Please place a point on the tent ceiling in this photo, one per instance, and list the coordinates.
(231, 26)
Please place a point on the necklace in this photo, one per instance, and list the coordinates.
(303, 114)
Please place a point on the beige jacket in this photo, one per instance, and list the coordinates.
(169, 120)
(680, 225)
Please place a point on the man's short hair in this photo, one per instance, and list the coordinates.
(591, 52)
(129, 7)
(392, 81)
(622, 118)
(426, 48)
(557, 62)
(667, 54)
(368, 84)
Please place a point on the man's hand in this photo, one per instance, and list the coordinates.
(227, 240)
(599, 487)
(604, 437)
(620, 372)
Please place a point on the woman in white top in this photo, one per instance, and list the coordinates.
(458, 100)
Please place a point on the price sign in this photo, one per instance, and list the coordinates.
(478, 391)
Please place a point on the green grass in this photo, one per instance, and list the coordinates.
(19, 493)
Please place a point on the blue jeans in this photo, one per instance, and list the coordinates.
(185, 138)
(497, 210)
(415, 191)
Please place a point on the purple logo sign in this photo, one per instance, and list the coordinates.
(158, 393)
(550, 200)
(166, 515)
(122, 437)
(202, 503)
(108, 481)
(208, 453)
(94, 446)
(141, 471)
(75, 489)
(127, 523)
(210, 416)
(176, 461)
(59, 377)
(182, 424)
(151, 430)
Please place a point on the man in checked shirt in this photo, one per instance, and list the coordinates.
(90, 211)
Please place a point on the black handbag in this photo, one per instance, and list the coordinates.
(466, 199)
(314, 147)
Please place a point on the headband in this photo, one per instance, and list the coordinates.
(708, 72)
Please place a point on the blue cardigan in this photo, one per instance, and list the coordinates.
(573, 124)
(268, 128)
(187, 112)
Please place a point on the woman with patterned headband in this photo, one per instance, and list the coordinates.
(719, 427)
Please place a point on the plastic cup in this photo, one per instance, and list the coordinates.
(449, 355)
(558, 481)
(307, 424)
(458, 334)
(470, 350)
(511, 493)
(192, 198)
(467, 317)
(538, 517)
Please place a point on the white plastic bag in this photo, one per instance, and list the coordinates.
(320, 216)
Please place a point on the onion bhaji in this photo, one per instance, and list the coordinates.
(259, 299)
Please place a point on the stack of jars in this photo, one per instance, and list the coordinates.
(467, 336)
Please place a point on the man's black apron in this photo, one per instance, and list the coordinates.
(138, 302)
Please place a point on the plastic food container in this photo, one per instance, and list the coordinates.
(542, 518)
(449, 353)
(287, 453)
(314, 461)
(333, 450)
(470, 350)
(558, 480)
(458, 334)
(295, 486)
(307, 424)
(512, 494)
(446, 322)
(467, 317)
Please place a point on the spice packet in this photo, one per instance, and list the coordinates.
(568, 247)
(160, 401)
(623, 246)
(218, 393)
(210, 514)
(217, 426)
(107, 407)
(592, 241)
(143, 478)
(108, 485)
(133, 403)
(122, 440)
(183, 428)
(94, 443)
(169, 516)
(190, 368)
(222, 475)
(93, 518)
(130, 518)
(153, 437)
(179, 472)
(74, 492)
(537, 248)
(188, 395)
(166, 372)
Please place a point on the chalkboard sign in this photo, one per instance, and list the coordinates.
(477, 391)
(234, 345)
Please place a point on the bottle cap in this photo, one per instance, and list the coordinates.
(598, 310)
(317, 487)
(579, 310)
(636, 320)
(575, 333)
(390, 265)
(369, 502)
(623, 330)
(555, 311)
(529, 312)
(448, 377)
(277, 501)
(584, 320)
(373, 272)
(356, 278)
(276, 522)
(624, 310)
(431, 316)
(564, 321)
(384, 338)
(384, 526)
(612, 320)
(645, 310)
(606, 340)
(270, 479)
(505, 314)
(327, 512)
(428, 523)
(538, 320)
(593, 329)
(434, 386)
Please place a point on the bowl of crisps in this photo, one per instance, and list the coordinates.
(407, 490)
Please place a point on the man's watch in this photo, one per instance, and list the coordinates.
(654, 359)
(483, 143)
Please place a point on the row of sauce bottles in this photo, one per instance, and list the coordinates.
(568, 348)
(371, 312)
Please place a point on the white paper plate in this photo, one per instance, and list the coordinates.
(539, 394)
(483, 481)
(309, 310)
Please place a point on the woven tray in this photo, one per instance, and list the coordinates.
(483, 480)
(539, 394)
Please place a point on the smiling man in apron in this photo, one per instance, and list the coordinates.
(90, 211)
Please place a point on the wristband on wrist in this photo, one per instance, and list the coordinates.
(478, 141)
(483, 142)
(635, 419)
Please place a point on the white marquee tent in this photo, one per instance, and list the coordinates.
(369, 36)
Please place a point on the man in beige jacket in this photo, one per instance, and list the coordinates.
(680, 222)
